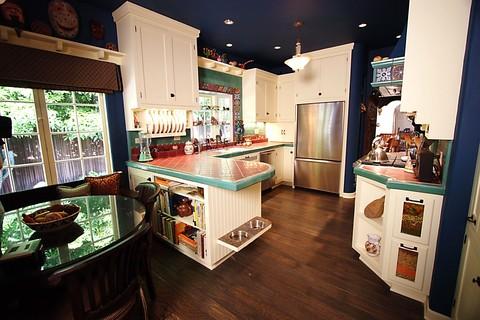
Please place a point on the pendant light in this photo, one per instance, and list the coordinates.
(298, 62)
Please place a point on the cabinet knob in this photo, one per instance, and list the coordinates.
(172, 95)
(319, 93)
(149, 179)
(291, 152)
(268, 113)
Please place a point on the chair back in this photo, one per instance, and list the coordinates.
(108, 284)
(148, 194)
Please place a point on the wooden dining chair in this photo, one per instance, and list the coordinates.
(147, 193)
(108, 285)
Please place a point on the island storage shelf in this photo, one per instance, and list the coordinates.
(215, 211)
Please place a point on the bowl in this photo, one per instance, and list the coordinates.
(52, 218)
(257, 224)
(238, 235)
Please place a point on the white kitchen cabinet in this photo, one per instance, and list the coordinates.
(161, 68)
(259, 96)
(408, 229)
(325, 78)
(285, 98)
(278, 165)
(432, 75)
(288, 160)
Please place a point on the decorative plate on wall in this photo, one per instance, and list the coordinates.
(63, 18)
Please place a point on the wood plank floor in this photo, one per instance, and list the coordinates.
(303, 268)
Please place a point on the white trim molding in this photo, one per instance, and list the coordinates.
(53, 44)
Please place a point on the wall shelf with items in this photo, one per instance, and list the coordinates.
(219, 66)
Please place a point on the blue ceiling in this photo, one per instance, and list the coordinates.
(262, 24)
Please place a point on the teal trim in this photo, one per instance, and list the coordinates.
(400, 185)
(388, 62)
(241, 153)
(386, 83)
(228, 185)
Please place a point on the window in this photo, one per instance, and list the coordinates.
(58, 136)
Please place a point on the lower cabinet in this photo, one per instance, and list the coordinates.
(407, 230)
(195, 218)
(288, 161)
(407, 264)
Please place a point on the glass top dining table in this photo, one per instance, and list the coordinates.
(102, 221)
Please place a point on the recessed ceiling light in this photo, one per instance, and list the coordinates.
(229, 45)
(277, 47)
(228, 21)
(398, 36)
(362, 25)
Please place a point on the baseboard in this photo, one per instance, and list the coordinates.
(429, 314)
(346, 195)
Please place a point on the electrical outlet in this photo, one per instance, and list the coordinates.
(177, 138)
(137, 140)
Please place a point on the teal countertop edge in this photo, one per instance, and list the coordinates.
(400, 185)
(241, 153)
(228, 185)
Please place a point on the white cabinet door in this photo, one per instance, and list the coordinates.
(427, 62)
(286, 98)
(323, 79)
(152, 52)
(333, 78)
(288, 160)
(271, 100)
(407, 263)
(261, 100)
(185, 72)
(278, 158)
(413, 215)
(308, 83)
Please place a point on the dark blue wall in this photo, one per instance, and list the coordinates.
(116, 120)
(460, 175)
(357, 74)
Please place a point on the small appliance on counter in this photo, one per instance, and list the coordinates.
(144, 141)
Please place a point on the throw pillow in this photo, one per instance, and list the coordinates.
(105, 185)
(78, 191)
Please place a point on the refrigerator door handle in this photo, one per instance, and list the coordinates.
(316, 160)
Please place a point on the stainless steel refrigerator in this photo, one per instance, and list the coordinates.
(319, 143)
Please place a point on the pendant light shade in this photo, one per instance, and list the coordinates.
(298, 62)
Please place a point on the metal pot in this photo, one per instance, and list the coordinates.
(377, 154)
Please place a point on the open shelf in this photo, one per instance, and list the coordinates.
(182, 249)
(375, 222)
(188, 192)
(187, 220)
(373, 263)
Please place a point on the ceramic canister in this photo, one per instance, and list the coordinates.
(372, 245)
(188, 147)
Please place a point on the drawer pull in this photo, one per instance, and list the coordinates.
(408, 248)
(413, 200)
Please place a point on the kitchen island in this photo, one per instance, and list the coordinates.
(406, 224)
(224, 192)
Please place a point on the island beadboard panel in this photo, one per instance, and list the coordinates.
(232, 209)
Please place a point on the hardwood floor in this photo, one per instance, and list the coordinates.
(303, 268)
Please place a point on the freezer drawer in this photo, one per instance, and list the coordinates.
(317, 174)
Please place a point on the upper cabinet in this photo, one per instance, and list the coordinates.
(326, 77)
(286, 98)
(434, 64)
(259, 96)
(161, 69)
